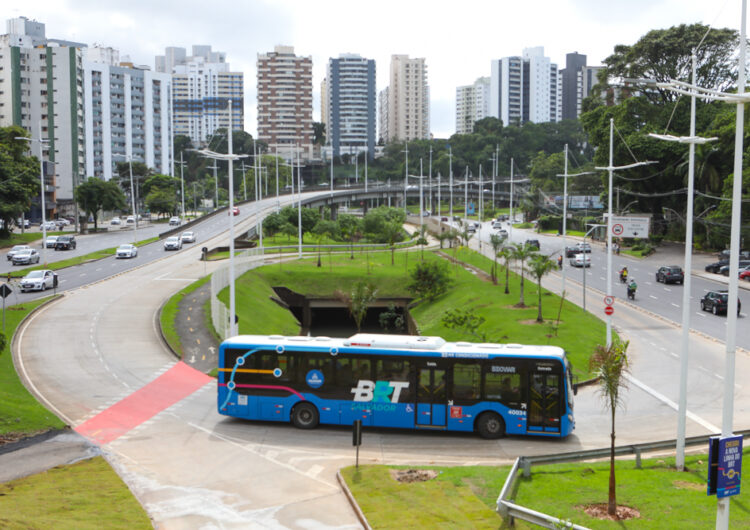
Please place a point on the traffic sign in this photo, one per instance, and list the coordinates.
(624, 226)
(609, 300)
(5, 290)
(609, 310)
(618, 229)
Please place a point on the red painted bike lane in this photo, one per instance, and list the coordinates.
(172, 386)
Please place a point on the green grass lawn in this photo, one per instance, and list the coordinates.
(578, 332)
(169, 314)
(87, 494)
(26, 238)
(465, 497)
(19, 410)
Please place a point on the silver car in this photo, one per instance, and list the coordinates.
(17, 248)
(39, 281)
(25, 257)
(50, 241)
(126, 251)
(188, 237)
(172, 243)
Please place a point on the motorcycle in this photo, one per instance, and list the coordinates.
(623, 278)
(631, 293)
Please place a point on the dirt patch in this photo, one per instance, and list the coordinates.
(685, 485)
(535, 321)
(599, 511)
(409, 476)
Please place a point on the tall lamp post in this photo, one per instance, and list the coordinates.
(43, 204)
(129, 158)
(230, 158)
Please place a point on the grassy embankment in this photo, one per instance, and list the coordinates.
(465, 497)
(578, 332)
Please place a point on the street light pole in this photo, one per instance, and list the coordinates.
(450, 179)
(182, 184)
(41, 179)
(406, 172)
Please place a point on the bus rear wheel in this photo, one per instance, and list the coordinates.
(305, 416)
(490, 426)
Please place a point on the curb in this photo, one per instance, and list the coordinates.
(352, 502)
(31, 440)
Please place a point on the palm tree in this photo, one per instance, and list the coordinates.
(466, 234)
(522, 253)
(496, 242)
(507, 254)
(611, 365)
(392, 232)
(539, 265)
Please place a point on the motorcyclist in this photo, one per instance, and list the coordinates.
(632, 286)
(624, 275)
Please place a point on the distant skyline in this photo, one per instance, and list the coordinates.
(458, 41)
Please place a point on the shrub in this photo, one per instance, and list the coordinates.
(429, 279)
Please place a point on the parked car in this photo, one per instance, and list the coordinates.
(725, 268)
(580, 260)
(533, 243)
(188, 237)
(714, 267)
(717, 302)
(50, 241)
(130, 220)
(115, 221)
(65, 243)
(745, 274)
(174, 221)
(62, 222)
(670, 274)
(724, 254)
(39, 280)
(49, 225)
(126, 251)
(23, 222)
(17, 248)
(172, 243)
(25, 257)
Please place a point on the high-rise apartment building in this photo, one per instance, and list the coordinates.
(285, 103)
(472, 104)
(41, 90)
(202, 85)
(407, 100)
(577, 82)
(128, 114)
(587, 78)
(525, 88)
(350, 106)
(383, 115)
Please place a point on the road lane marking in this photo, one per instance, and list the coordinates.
(668, 289)
(675, 304)
(664, 399)
(654, 297)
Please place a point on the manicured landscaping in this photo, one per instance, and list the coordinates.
(17, 238)
(20, 412)
(578, 332)
(168, 316)
(465, 497)
(87, 494)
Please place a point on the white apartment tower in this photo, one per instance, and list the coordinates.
(350, 105)
(41, 90)
(408, 100)
(472, 104)
(285, 105)
(128, 115)
(202, 85)
(525, 88)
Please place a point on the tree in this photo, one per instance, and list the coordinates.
(94, 195)
(522, 253)
(358, 300)
(391, 318)
(539, 265)
(324, 228)
(19, 177)
(496, 242)
(319, 133)
(350, 228)
(466, 321)
(429, 279)
(162, 202)
(393, 232)
(506, 253)
(466, 234)
(611, 365)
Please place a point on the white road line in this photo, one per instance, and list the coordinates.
(700, 314)
(673, 354)
(676, 305)
(668, 289)
(654, 297)
(671, 404)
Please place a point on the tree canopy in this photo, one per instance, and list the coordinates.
(19, 176)
(94, 195)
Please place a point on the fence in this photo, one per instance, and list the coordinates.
(510, 510)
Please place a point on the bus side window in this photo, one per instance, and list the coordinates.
(502, 387)
(466, 378)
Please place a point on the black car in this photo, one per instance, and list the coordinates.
(571, 251)
(670, 274)
(717, 302)
(532, 243)
(724, 269)
(65, 243)
(724, 254)
(714, 267)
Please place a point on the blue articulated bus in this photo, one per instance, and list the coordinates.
(398, 381)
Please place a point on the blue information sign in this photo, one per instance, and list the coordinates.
(470, 209)
(725, 466)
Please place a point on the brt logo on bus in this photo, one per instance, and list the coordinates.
(379, 391)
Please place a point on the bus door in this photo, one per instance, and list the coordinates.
(431, 406)
(544, 401)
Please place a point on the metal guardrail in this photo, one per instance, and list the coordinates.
(508, 509)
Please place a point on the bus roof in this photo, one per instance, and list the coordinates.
(381, 343)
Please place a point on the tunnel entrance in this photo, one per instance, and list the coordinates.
(328, 316)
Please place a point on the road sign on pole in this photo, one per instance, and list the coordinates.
(630, 226)
(4, 291)
(609, 310)
(609, 300)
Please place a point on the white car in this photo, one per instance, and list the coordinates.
(126, 251)
(172, 243)
(503, 233)
(174, 221)
(130, 220)
(25, 257)
(188, 237)
(50, 225)
(17, 248)
(50, 241)
(580, 260)
(39, 281)
(115, 221)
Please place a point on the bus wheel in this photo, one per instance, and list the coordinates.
(490, 426)
(305, 416)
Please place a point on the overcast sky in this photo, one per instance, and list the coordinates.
(457, 39)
